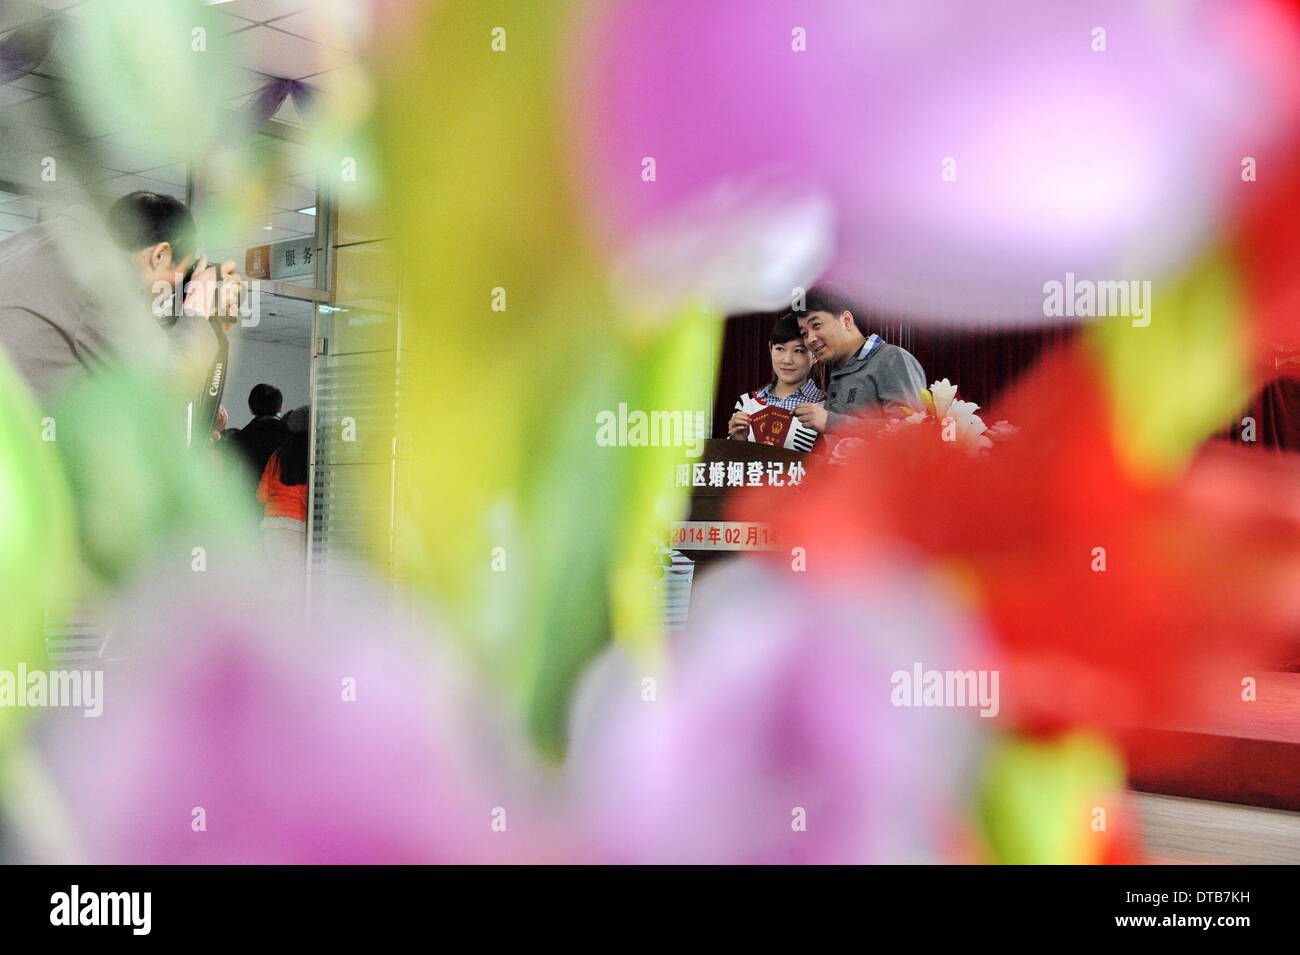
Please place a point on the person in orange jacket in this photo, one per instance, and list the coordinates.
(283, 493)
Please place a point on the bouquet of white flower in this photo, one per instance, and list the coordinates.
(955, 420)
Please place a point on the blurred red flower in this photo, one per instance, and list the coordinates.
(1115, 604)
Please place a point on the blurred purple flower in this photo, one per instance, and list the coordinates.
(229, 701)
(777, 711)
(970, 151)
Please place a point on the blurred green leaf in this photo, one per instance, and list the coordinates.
(156, 67)
(479, 170)
(1037, 798)
(1177, 380)
(139, 493)
(36, 542)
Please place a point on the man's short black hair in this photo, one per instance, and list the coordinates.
(264, 400)
(825, 298)
(143, 219)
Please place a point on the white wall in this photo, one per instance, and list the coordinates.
(252, 362)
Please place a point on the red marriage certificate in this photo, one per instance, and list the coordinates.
(771, 425)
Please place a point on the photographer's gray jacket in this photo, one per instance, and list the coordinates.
(54, 326)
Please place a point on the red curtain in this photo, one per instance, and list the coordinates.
(1275, 412)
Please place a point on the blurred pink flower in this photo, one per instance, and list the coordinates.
(229, 702)
(970, 152)
(777, 712)
(778, 709)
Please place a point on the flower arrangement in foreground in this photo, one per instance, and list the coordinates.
(954, 419)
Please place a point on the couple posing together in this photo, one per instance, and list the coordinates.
(867, 377)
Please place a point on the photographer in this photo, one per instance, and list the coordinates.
(67, 309)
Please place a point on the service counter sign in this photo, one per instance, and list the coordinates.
(281, 261)
(257, 262)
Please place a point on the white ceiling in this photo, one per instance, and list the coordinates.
(315, 41)
(305, 40)
(16, 213)
(286, 320)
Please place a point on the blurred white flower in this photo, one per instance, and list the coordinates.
(970, 435)
(956, 420)
(943, 392)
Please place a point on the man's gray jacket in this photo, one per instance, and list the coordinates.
(54, 326)
(878, 380)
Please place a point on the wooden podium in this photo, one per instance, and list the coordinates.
(714, 529)
(709, 503)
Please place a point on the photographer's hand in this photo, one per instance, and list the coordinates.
(229, 290)
(201, 290)
(208, 295)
